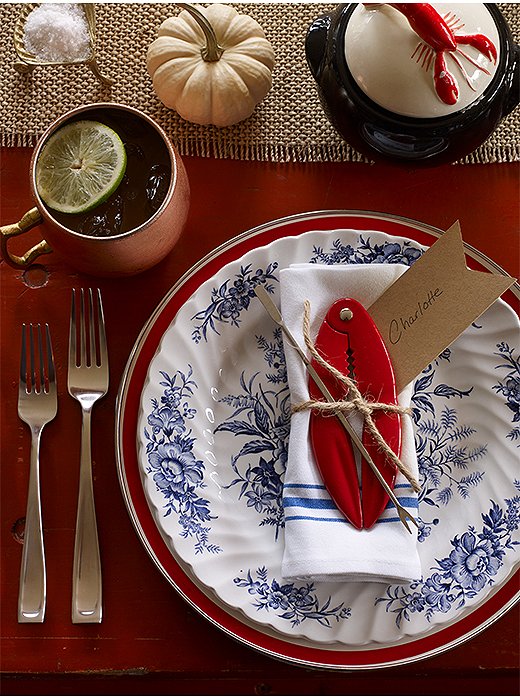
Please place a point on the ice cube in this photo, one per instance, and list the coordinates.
(107, 221)
(95, 225)
(157, 186)
(116, 214)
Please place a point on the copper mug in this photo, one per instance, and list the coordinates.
(123, 254)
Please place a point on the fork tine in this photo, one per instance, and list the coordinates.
(82, 331)
(103, 354)
(41, 359)
(72, 330)
(92, 330)
(50, 358)
(23, 360)
(31, 357)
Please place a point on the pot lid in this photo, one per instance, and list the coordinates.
(414, 72)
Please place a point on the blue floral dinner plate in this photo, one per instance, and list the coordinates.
(212, 446)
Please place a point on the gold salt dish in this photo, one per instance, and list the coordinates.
(28, 62)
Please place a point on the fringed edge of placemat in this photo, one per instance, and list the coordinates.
(277, 152)
(284, 153)
(493, 154)
(8, 140)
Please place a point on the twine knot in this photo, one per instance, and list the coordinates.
(353, 401)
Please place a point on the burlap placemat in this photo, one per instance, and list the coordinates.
(289, 125)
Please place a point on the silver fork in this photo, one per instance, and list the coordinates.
(87, 382)
(37, 406)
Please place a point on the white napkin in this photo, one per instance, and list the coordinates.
(320, 544)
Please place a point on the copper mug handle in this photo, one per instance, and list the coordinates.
(28, 221)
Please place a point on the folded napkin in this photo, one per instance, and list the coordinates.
(320, 544)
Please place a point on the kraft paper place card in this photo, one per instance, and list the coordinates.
(429, 306)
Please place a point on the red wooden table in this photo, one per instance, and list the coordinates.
(151, 641)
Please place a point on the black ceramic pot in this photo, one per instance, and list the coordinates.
(381, 134)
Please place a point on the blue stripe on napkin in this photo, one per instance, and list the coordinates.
(305, 486)
(302, 501)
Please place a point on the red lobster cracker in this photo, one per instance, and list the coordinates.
(349, 340)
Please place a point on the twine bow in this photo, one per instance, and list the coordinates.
(353, 401)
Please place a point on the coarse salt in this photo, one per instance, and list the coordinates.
(58, 32)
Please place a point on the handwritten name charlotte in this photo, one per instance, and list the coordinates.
(399, 326)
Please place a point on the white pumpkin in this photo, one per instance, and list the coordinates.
(212, 65)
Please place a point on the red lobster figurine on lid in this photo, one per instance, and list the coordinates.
(350, 341)
(442, 36)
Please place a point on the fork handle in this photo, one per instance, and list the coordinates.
(86, 581)
(32, 592)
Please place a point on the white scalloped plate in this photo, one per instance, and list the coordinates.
(215, 352)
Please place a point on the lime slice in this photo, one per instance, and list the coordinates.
(80, 166)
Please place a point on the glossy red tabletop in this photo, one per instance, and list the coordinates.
(151, 641)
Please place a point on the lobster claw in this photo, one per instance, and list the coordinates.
(445, 84)
(480, 42)
(350, 341)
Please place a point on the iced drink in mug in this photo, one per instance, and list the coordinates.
(140, 221)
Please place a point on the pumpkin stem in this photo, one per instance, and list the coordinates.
(212, 51)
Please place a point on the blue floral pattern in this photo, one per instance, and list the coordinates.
(264, 416)
(297, 604)
(510, 386)
(230, 299)
(176, 472)
(366, 253)
(470, 566)
(424, 392)
(442, 451)
(444, 457)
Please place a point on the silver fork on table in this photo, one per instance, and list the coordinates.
(87, 382)
(37, 406)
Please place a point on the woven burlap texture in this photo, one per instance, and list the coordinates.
(289, 125)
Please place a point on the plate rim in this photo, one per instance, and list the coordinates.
(505, 597)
